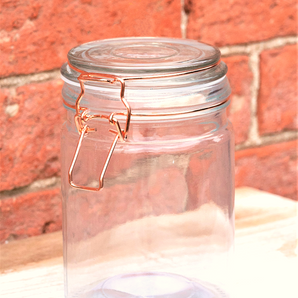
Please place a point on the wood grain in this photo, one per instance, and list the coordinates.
(14, 255)
(266, 253)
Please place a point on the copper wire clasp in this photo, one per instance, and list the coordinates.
(82, 117)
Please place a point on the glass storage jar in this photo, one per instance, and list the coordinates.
(147, 170)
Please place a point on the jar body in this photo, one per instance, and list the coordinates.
(163, 223)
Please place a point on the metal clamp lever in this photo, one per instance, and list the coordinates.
(82, 117)
(83, 133)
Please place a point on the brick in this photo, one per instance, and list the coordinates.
(237, 21)
(271, 168)
(30, 133)
(240, 77)
(36, 36)
(278, 96)
(30, 214)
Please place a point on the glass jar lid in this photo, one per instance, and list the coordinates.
(147, 56)
(161, 74)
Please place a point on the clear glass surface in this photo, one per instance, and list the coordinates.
(162, 226)
(142, 55)
(166, 205)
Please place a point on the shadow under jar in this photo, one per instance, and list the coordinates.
(147, 170)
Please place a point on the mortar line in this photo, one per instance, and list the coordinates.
(274, 138)
(20, 80)
(254, 64)
(37, 185)
(184, 20)
(258, 46)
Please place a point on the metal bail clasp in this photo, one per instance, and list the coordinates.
(82, 117)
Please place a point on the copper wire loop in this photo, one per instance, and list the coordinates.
(82, 117)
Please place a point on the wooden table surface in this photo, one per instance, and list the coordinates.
(266, 262)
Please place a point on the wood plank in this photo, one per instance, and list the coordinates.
(266, 244)
(252, 208)
(14, 255)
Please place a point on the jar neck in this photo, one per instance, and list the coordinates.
(150, 98)
(160, 129)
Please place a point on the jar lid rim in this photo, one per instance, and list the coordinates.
(143, 56)
(193, 79)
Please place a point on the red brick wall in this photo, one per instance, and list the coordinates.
(257, 40)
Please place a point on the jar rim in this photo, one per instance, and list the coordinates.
(147, 73)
